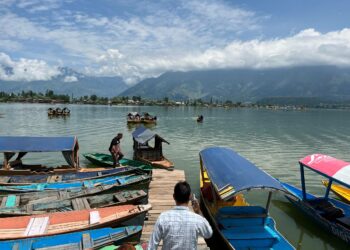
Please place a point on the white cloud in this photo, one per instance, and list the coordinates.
(25, 69)
(70, 79)
(34, 6)
(195, 35)
(308, 47)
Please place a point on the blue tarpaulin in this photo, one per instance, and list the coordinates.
(227, 169)
(17, 144)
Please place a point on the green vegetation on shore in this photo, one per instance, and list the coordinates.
(287, 103)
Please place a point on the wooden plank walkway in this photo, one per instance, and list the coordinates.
(161, 198)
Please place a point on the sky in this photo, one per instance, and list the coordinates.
(137, 39)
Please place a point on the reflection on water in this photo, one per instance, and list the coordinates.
(273, 140)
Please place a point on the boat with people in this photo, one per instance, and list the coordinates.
(331, 214)
(12, 205)
(224, 176)
(106, 160)
(148, 154)
(136, 118)
(67, 177)
(118, 182)
(90, 239)
(22, 145)
(58, 111)
(50, 224)
(200, 118)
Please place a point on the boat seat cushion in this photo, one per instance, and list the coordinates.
(251, 237)
(242, 210)
(228, 223)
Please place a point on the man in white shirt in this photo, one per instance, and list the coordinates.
(179, 228)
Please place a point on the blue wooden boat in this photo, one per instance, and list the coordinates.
(91, 239)
(21, 145)
(224, 176)
(331, 214)
(66, 177)
(115, 181)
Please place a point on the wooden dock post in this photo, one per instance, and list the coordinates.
(161, 198)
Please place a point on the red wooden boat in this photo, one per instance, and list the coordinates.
(73, 221)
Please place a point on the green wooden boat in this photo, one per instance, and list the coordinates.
(106, 160)
(51, 205)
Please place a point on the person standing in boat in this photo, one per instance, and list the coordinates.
(115, 150)
(179, 228)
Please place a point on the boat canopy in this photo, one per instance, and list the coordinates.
(328, 166)
(10, 145)
(230, 173)
(142, 135)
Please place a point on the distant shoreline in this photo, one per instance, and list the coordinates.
(205, 105)
(273, 103)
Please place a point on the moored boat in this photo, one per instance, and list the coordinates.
(340, 191)
(224, 176)
(106, 160)
(117, 182)
(91, 239)
(200, 118)
(331, 214)
(12, 205)
(21, 145)
(73, 221)
(66, 177)
(146, 153)
(136, 118)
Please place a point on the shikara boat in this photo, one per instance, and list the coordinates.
(22, 227)
(11, 205)
(136, 118)
(150, 155)
(339, 190)
(91, 239)
(115, 181)
(67, 177)
(224, 176)
(26, 198)
(21, 145)
(331, 214)
(106, 160)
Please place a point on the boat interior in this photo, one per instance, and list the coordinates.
(242, 225)
(332, 210)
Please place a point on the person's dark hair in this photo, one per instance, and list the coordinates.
(119, 135)
(182, 192)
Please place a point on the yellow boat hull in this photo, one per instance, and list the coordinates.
(342, 192)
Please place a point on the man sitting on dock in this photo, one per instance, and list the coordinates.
(179, 228)
(114, 148)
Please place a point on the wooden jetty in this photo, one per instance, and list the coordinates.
(161, 198)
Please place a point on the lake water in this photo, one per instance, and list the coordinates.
(273, 140)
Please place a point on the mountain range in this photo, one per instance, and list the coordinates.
(320, 82)
(325, 82)
(68, 82)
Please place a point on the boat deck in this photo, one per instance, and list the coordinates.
(161, 197)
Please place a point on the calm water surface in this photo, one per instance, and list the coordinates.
(273, 140)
